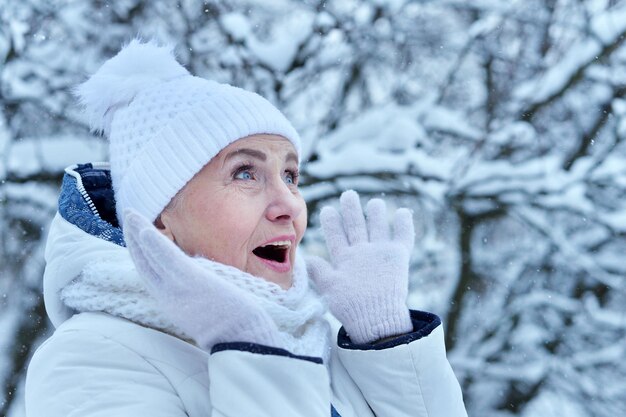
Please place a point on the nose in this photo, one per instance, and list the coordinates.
(283, 204)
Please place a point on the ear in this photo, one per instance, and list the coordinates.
(163, 225)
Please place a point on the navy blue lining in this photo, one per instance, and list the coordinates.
(423, 324)
(268, 350)
(262, 350)
(99, 186)
(74, 208)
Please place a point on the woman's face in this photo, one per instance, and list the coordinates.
(243, 209)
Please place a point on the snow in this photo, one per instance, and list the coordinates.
(381, 140)
(616, 319)
(556, 77)
(612, 166)
(9, 317)
(279, 52)
(391, 127)
(446, 120)
(544, 298)
(552, 404)
(518, 133)
(536, 300)
(607, 28)
(616, 220)
(237, 25)
(485, 25)
(532, 176)
(18, 30)
(15, 76)
(32, 155)
(325, 20)
(610, 25)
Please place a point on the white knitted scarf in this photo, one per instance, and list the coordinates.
(114, 286)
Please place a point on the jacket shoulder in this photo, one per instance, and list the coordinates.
(102, 365)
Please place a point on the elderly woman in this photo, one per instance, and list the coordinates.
(202, 306)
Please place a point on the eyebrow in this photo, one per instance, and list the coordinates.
(245, 151)
(258, 155)
(291, 157)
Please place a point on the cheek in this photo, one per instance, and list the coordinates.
(226, 228)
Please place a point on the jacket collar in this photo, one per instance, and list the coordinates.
(84, 230)
(87, 201)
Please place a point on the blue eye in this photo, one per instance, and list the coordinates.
(244, 173)
(291, 178)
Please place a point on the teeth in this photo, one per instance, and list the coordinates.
(280, 243)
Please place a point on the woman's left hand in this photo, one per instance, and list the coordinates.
(194, 292)
(367, 283)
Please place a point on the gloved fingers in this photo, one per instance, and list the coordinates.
(353, 219)
(171, 266)
(332, 227)
(319, 271)
(376, 217)
(169, 269)
(134, 226)
(403, 229)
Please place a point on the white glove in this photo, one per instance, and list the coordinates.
(202, 304)
(367, 284)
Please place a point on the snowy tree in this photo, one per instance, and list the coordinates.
(500, 123)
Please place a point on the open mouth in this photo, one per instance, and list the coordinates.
(276, 251)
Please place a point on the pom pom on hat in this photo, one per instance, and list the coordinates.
(164, 125)
(136, 67)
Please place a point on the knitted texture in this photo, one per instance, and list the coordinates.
(113, 286)
(367, 283)
(216, 303)
(164, 124)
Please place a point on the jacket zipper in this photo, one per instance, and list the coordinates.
(81, 187)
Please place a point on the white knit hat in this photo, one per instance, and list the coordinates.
(164, 124)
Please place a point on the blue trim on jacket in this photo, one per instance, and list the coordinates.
(423, 324)
(262, 350)
(269, 350)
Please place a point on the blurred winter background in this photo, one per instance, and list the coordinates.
(501, 123)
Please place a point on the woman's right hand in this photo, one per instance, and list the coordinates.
(204, 305)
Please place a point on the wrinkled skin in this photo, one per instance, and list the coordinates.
(245, 197)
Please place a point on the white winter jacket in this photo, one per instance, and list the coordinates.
(97, 365)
